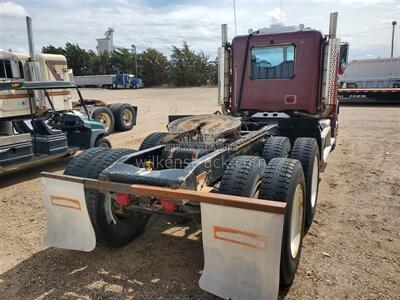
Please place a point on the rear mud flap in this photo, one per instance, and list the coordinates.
(68, 222)
(242, 250)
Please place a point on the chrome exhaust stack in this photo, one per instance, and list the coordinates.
(33, 66)
(224, 70)
(330, 69)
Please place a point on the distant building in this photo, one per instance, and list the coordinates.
(106, 43)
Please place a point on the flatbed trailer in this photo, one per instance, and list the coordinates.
(248, 175)
(369, 95)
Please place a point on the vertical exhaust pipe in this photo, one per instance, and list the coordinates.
(30, 38)
(333, 25)
(224, 70)
(330, 68)
(34, 69)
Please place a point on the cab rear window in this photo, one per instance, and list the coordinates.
(272, 62)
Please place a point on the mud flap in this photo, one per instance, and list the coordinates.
(68, 222)
(242, 250)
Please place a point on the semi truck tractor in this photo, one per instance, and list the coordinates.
(109, 81)
(248, 175)
(371, 80)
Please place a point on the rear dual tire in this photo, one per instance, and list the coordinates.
(104, 116)
(274, 147)
(124, 116)
(284, 181)
(281, 180)
(120, 116)
(152, 140)
(306, 151)
(111, 228)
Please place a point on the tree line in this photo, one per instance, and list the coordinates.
(184, 67)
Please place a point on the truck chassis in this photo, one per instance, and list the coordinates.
(248, 176)
(183, 181)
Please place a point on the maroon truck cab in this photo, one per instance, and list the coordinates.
(282, 72)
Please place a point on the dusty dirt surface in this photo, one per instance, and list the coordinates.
(351, 251)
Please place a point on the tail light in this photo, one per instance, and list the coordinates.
(123, 199)
(168, 206)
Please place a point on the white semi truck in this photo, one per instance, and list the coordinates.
(39, 119)
(53, 67)
(14, 66)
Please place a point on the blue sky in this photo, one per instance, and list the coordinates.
(365, 24)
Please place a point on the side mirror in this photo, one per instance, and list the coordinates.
(343, 57)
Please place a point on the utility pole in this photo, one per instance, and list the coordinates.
(394, 25)
(134, 49)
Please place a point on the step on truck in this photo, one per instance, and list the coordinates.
(22, 67)
(247, 175)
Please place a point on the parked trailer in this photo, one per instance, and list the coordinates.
(102, 81)
(371, 80)
(249, 176)
(109, 81)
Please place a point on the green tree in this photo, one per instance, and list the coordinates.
(188, 68)
(123, 61)
(53, 50)
(153, 67)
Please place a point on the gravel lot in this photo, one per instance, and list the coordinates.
(351, 251)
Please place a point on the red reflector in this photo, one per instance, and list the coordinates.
(168, 206)
(290, 99)
(123, 199)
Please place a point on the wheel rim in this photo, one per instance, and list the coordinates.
(105, 119)
(257, 190)
(104, 145)
(109, 211)
(296, 225)
(127, 117)
(314, 182)
(113, 211)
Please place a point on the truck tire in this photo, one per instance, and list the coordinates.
(276, 146)
(76, 166)
(152, 140)
(307, 152)
(105, 116)
(242, 176)
(102, 142)
(124, 116)
(110, 228)
(284, 181)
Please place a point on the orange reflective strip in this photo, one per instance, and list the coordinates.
(260, 242)
(65, 202)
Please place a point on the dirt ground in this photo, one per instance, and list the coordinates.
(352, 251)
